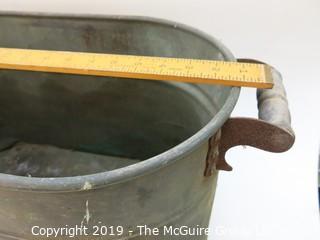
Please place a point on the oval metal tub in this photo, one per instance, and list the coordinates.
(96, 151)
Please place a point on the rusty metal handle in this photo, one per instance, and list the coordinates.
(271, 132)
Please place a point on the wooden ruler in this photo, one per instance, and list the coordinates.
(138, 67)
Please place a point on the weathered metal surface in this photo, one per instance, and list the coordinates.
(251, 132)
(213, 154)
(35, 160)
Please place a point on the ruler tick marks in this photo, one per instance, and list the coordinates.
(138, 67)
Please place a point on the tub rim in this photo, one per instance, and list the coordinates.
(102, 179)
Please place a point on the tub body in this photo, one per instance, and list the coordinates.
(108, 153)
(122, 118)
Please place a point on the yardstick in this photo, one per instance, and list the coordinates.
(138, 67)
